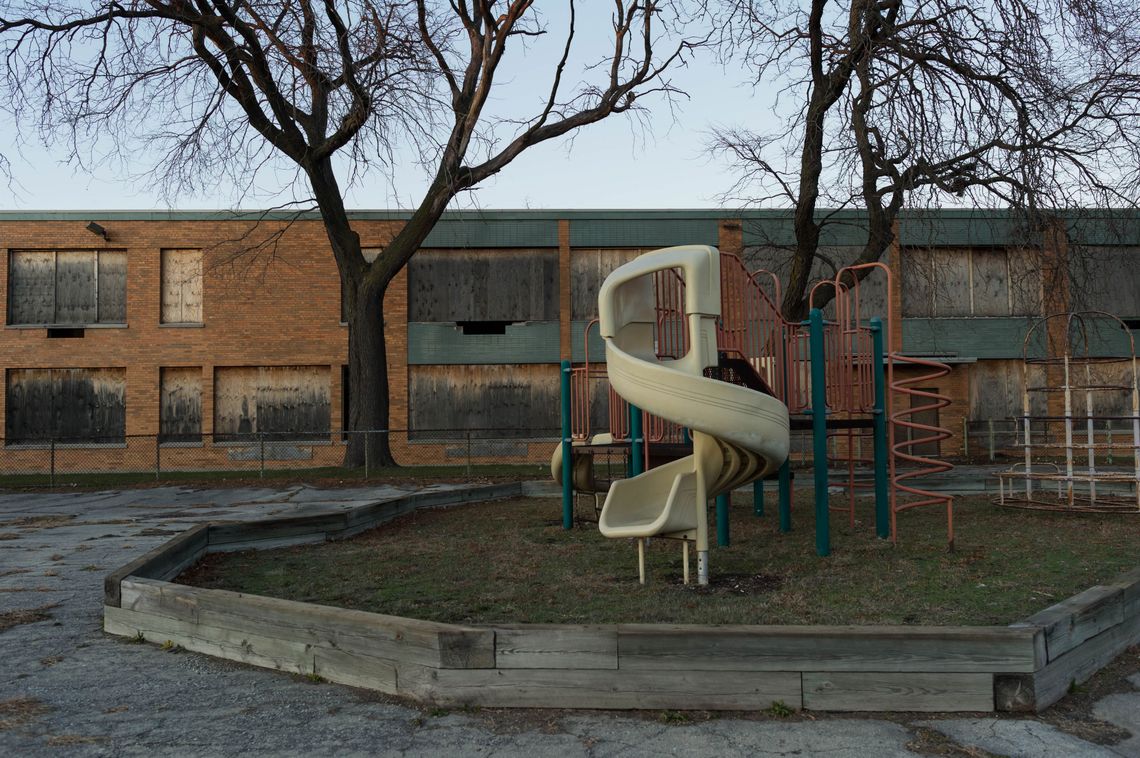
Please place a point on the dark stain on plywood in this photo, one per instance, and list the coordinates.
(79, 405)
(483, 285)
(67, 287)
(490, 400)
(180, 404)
(286, 401)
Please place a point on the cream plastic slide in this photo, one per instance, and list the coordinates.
(739, 435)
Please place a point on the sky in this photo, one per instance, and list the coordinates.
(616, 163)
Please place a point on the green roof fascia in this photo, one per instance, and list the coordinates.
(662, 226)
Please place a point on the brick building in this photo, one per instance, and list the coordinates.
(203, 328)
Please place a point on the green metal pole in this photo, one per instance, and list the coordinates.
(636, 442)
(758, 497)
(785, 488)
(819, 432)
(786, 496)
(722, 536)
(882, 495)
(567, 452)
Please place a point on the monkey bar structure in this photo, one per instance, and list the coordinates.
(834, 375)
(1071, 458)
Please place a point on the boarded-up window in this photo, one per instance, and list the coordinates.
(290, 402)
(180, 405)
(444, 402)
(67, 405)
(181, 286)
(483, 285)
(589, 267)
(370, 254)
(962, 282)
(75, 287)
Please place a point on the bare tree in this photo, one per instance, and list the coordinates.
(216, 87)
(1027, 104)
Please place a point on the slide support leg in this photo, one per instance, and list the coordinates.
(641, 560)
(702, 567)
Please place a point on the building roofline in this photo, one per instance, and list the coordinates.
(508, 214)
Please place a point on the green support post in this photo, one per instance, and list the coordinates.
(786, 496)
(758, 497)
(636, 442)
(819, 432)
(882, 495)
(567, 452)
(722, 536)
(785, 488)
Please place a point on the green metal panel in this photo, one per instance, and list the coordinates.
(972, 337)
(445, 344)
(772, 227)
(960, 228)
(578, 347)
(1096, 227)
(644, 232)
(490, 232)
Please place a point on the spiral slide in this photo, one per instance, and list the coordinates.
(739, 435)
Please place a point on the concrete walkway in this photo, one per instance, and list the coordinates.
(67, 687)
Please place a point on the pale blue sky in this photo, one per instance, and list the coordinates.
(613, 164)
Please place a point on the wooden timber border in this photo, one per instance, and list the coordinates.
(1023, 667)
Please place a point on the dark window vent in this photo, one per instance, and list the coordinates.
(483, 327)
(1132, 323)
(65, 333)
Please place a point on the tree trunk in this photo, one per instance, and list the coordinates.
(368, 399)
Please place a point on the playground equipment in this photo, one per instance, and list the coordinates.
(834, 377)
(1059, 358)
(739, 434)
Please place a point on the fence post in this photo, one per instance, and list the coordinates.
(990, 424)
(157, 458)
(367, 435)
(261, 440)
(965, 438)
(1108, 429)
(468, 452)
(51, 476)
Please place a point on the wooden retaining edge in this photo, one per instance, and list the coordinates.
(1081, 635)
(1025, 666)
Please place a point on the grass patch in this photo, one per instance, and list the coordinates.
(20, 711)
(511, 562)
(9, 619)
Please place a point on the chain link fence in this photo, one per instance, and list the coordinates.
(439, 453)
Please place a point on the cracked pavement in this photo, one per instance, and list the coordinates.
(66, 686)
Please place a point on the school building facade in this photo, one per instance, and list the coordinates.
(198, 329)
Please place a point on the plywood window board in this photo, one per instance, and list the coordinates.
(67, 287)
(181, 286)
